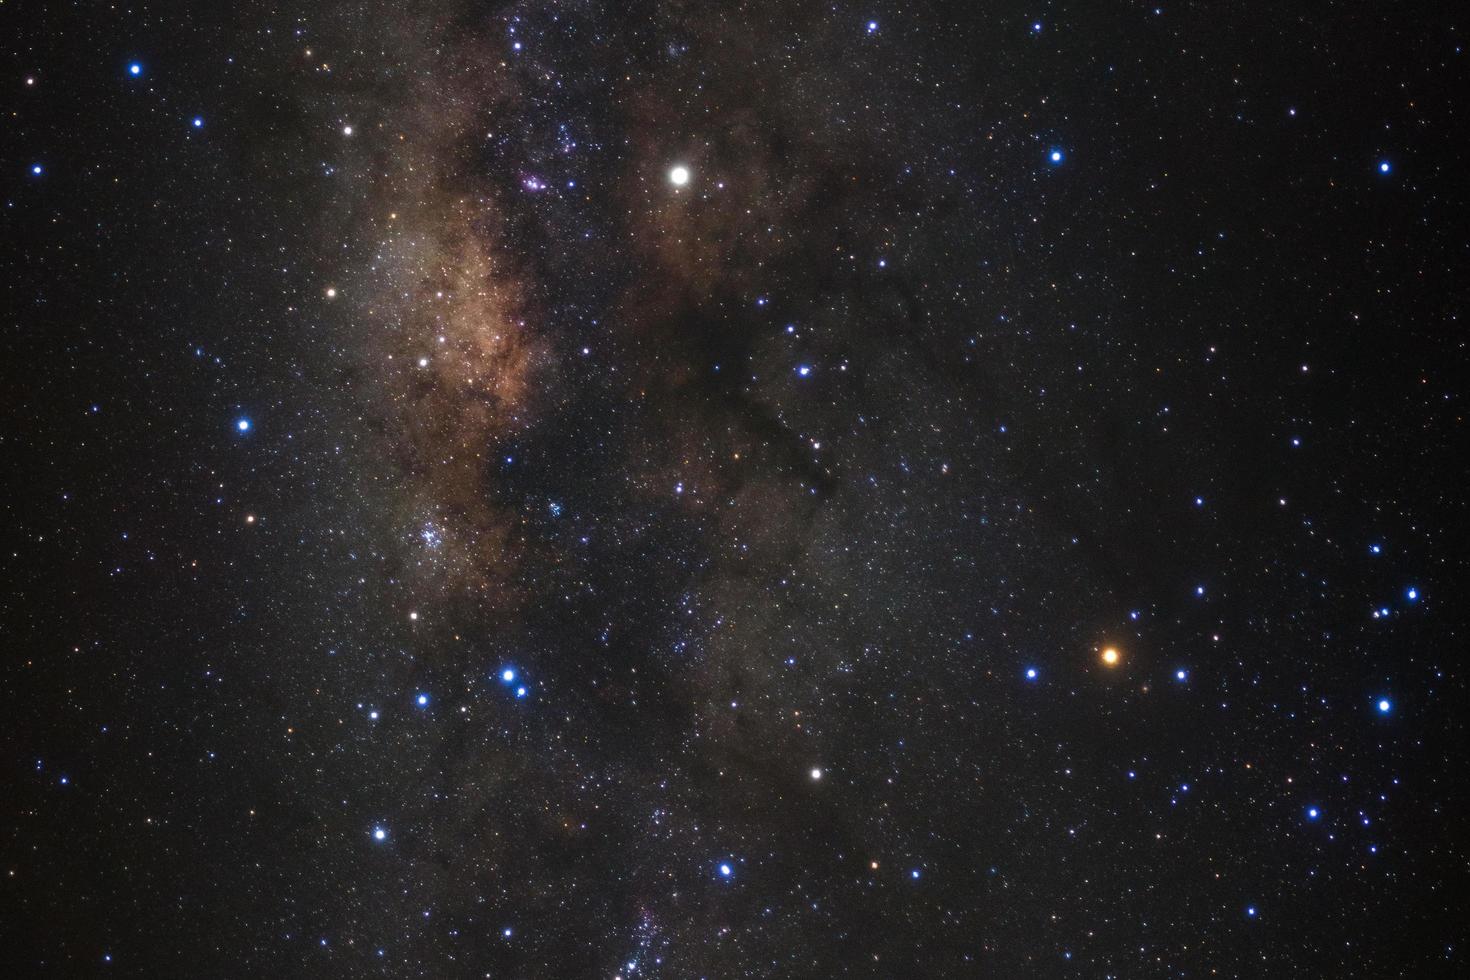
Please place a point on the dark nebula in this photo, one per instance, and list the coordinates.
(710, 490)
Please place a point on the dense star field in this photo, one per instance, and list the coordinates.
(626, 489)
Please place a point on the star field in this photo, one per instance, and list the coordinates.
(646, 490)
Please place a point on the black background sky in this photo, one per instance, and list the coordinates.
(357, 354)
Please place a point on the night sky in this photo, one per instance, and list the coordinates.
(698, 490)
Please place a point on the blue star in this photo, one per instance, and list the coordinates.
(726, 871)
(198, 122)
(380, 834)
(520, 692)
(1384, 706)
(914, 874)
(1375, 549)
(1412, 593)
(422, 700)
(1055, 156)
(1384, 167)
(804, 370)
(1313, 813)
(1250, 911)
(1181, 674)
(243, 425)
(1031, 673)
(872, 27)
(37, 169)
(1036, 27)
(135, 69)
(507, 675)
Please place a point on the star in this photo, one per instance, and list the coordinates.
(507, 675)
(1180, 675)
(804, 370)
(726, 871)
(1110, 656)
(36, 169)
(1384, 706)
(1384, 167)
(380, 834)
(422, 700)
(872, 27)
(346, 130)
(1313, 813)
(1412, 593)
(198, 122)
(1031, 673)
(1055, 156)
(679, 176)
(242, 425)
(135, 69)
(816, 774)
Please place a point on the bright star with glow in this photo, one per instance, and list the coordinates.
(1384, 706)
(36, 169)
(507, 675)
(198, 122)
(1384, 167)
(1180, 675)
(422, 700)
(1313, 813)
(1055, 156)
(914, 874)
(872, 27)
(135, 69)
(1412, 593)
(679, 176)
(379, 834)
(726, 871)
(243, 425)
(1110, 656)
(520, 692)
(1031, 673)
(804, 370)
(1250, 911)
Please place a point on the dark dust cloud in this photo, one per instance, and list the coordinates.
(669, 490)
